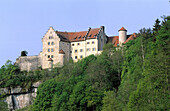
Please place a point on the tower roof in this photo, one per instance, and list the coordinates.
(61, 52)
(122, 29)
(50, 59)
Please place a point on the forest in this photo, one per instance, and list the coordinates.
(134, 77)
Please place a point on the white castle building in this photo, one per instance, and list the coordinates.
(59, 47)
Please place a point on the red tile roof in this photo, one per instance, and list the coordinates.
(115, 39)
(132, 37)
(61, 52)
(78, 36)
(122, 29)
(50, 59)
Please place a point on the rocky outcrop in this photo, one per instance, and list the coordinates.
(18, 98)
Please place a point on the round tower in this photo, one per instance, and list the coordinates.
(122, 35)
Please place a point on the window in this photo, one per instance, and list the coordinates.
(94, 49)
(70, 51)
(75, 57)
(52, 43)
(88, 49)
(50, 37)
(81, 56)
(48, 50)
(72, 44)
(88, 43)
(78, 43)
(48, 43)
(92, 42)
(52, 56)
(76, 50)
(81, 50)
(52, 50)
(48, 56)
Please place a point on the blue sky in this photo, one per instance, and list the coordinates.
(23, 23)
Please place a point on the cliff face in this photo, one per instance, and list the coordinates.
(18, 98)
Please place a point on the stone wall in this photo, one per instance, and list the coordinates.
(29, 63)
(65, 46)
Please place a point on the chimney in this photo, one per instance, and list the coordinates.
(102, 28)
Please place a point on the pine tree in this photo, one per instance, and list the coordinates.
(156, 26)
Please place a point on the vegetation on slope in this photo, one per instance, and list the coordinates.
(134, 77)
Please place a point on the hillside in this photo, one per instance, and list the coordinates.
(134, 77)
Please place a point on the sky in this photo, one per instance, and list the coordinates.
(23, 23)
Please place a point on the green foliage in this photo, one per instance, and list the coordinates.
(110, 102)
(24, 53)
(145, 73)
(156, 26)
(153, 90)
(104, 73)
(45, 95)
(3, 105)
(134, 77)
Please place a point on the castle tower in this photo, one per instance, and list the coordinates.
(122, 35)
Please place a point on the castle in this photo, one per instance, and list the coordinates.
(59, 47)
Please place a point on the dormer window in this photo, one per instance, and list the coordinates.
(79, 37)
(75, 38)
(89, 36)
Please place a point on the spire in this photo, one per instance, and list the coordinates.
(122, 29)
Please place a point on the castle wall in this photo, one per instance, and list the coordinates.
(50, 48)
(82, 49)
(65, 46)
(29, 63)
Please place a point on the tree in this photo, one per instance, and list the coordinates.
(24, 53)
(153, 89)
(156, 26)
(110, 102)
